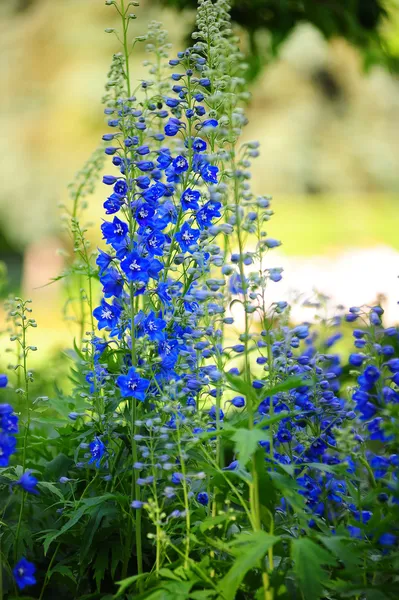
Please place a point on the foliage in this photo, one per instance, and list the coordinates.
(200, 454)
(358, 21)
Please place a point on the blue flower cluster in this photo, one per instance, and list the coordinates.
(375, 399)
(8, 428)
(165, 202)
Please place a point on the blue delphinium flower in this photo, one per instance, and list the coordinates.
(136, 267)
(24, 573)
(203, 498)
(132, 385)
(114, 232)
(153, 327)
(97, 449)
(7, 447)
(190, 199)
(187, 237)
(28, 482)
(107, 315)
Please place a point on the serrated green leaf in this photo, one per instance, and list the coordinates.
(62, 570)
(249, 550)
(343, 548)
(211, 522)
(309, 559)
(46, 485)
(124, 584)
(247, 442)
(100, 566)
(88, 504)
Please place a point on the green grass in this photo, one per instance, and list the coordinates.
(329, 224)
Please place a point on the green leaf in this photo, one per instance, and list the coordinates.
(58, 466)
(249, 550)
(176, 590)
(309, 559)
(124, 584)
(51, 488)
(342, 548)
(238, 384)
(62, 570)
(211, 522)
(100, 566)
(246, 442)
(88, 504)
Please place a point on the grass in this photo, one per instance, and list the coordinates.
(328, 224)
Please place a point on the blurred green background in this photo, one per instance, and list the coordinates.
(325, 108)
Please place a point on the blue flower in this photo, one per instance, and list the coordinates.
(169, 353)
(203, 498)
(103, 260)
(144, 214)
(209, 173)
(387, 539)
(107, 315)
(154, 327)
(137, 504)
(180, 164)
(3, 380)
(187, 237)
(172, 127)
(24, 573)
(28, 482)
(189, 199)
(112, 282)
(97, 449)
(163, 293)
(9, 423)
(155, 192)
(155, 242)
(109, 179)
(199, 145)
(7, 447)
(5, 409)
(136, 267)
(132, 385)
(113, 204)
(145, 165)
(371, 374)
(207, 213)
(238, 401)
(164, 160)
(114, 232)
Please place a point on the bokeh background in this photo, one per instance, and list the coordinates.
(325, 108)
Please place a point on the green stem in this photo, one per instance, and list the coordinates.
(46, 578)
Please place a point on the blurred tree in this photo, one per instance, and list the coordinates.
(358, 21)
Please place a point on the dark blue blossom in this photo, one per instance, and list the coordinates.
(114, 232)
(203, 498)
(209, 173)
(133, 385)
(24, 573)
(28, 482)
(7, 447)
(189, 199)
(112, 282)
(97, 449)
(180, 164)
(107, 315)
(187, 237)
(153, 327)
(136, 267)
